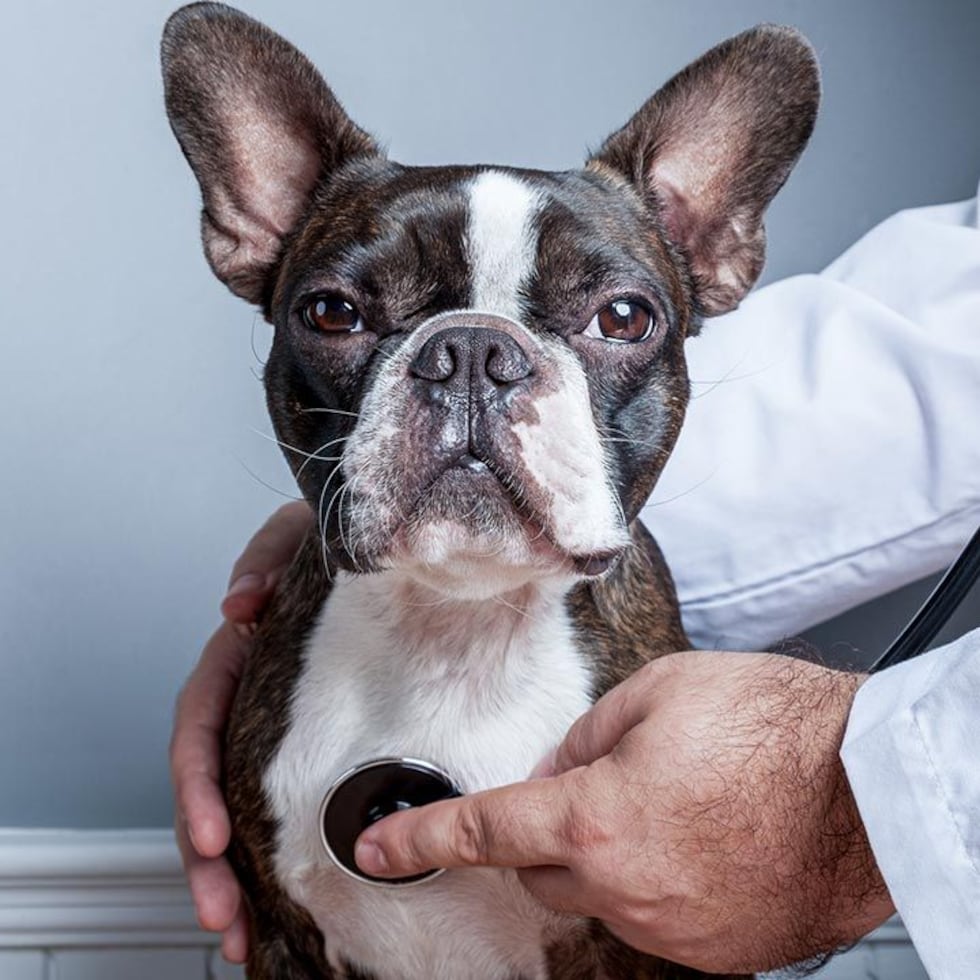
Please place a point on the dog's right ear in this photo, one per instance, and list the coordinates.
(259, 127)
(714, 145)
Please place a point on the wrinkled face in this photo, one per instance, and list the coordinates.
(480, 370)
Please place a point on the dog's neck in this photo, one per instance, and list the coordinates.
(440, 635)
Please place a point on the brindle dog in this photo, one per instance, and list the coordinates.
(477, 375)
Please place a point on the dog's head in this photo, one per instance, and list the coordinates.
(478, 372)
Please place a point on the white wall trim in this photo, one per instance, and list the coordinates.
(103, 888)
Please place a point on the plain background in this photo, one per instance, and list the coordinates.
(135, 449)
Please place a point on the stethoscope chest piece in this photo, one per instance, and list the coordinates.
(370, 791)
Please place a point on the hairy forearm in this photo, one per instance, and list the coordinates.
(822, 863)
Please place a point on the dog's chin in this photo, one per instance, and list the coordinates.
(468, 540)
(458, 562)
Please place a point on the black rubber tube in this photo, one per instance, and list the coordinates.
(936, 610)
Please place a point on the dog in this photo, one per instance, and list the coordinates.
(477, 375)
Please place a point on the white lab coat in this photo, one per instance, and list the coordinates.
(912, 755)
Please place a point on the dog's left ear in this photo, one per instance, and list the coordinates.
(714, 145)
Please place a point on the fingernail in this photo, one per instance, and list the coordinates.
(546, 767)
(249, 582)
(190, 833)
(370, 858)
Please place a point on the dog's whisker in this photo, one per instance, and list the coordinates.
(501, 601)
(322, 459)
(258, 479)
(358, 537)
(251, 341)
(683, 493)
(326, 516)
(624, 437)
(728, 376)
(301, 452)
(427, 605)
(323, 531)
(348, 492)
(317, 451)
(323, 517)
(326, 483)
(537, 537)
(331, 411)
(641, 443)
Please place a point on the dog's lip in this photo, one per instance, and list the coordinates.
(468, 461)
(589, 565)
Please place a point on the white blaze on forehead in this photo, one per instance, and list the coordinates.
(502, 241)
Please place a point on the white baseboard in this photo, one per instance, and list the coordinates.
(94, 888)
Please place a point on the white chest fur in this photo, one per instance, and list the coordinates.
(480, 689)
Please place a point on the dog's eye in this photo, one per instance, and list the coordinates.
(623, 321)
(332, 314)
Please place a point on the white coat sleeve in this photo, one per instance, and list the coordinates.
(912, 756)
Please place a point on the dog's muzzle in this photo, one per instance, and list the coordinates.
(365, 794)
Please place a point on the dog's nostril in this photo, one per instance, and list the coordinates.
(506, 363)
(436, 361)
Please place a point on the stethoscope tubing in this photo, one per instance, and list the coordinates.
(936, 610)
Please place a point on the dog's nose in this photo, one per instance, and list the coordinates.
(471, 354)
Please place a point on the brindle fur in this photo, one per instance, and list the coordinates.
(284, 942)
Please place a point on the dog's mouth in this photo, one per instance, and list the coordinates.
(475, 509)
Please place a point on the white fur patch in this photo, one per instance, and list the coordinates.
(562, 450)
(502, 242)
(478, 688)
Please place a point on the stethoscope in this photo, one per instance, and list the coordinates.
(364, 794)
(936, 610)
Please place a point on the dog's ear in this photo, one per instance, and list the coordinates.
(713, 146)
(259, 127)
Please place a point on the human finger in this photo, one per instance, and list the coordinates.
(266, 557)
(234, 942)
(516, 826)
(195, 746)
(214, 888)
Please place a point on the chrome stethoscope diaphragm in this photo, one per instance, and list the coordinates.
(365, 794)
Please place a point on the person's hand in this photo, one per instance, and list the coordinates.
(699, 809)
(202, 825)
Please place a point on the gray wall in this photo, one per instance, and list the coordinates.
(128, 391)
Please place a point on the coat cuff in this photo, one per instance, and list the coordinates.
(911, 753)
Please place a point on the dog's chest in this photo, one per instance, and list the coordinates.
(483, 692)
